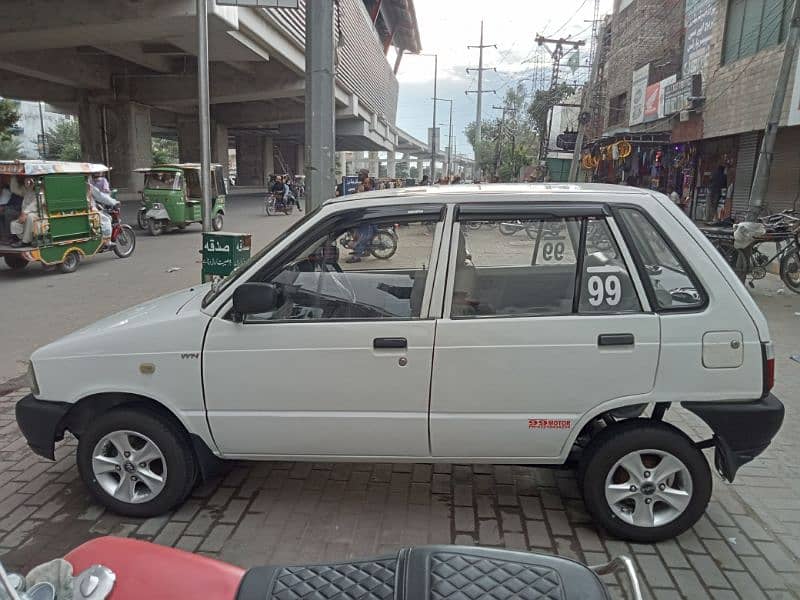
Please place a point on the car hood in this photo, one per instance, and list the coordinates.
(112, 334)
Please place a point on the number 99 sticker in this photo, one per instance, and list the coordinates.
(604, 288)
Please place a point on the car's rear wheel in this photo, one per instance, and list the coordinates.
(644, 481)
(136, 462)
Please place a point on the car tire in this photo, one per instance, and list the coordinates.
(644, 444)
(140, 494)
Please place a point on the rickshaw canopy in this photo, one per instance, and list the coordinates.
(48, 167)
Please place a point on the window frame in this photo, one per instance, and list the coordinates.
(346, 219)
(532, 211)
(642, 272)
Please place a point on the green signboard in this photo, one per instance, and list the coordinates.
(223, 252)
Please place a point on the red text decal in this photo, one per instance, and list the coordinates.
(549, 424)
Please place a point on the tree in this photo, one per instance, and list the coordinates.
(10, 149)
(64, 141)
(401, 170)
(9, 115)
(164, 150)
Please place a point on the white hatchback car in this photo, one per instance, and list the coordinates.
(528, 324)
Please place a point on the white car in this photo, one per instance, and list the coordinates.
(525, 324)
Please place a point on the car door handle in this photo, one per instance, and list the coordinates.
(615, 339)
(390, 343)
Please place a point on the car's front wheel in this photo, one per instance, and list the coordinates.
(136, 463)
(645, 481)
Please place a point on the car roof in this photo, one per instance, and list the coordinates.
(501, 192)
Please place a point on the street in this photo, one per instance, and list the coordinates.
(747, 546)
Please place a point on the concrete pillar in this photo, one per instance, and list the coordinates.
(301, 160)
(189, 139)
(90, 121)
(374, 164)
(250, 159)
(129, 146)
(391, 164)
(343, 163)
(269, 156)
(219, 145)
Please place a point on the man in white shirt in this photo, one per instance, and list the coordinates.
(23, 226)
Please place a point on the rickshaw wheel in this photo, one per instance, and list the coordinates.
(15, 262)
(141, 219)
(70, 263)
(216, 223)
(154, 227)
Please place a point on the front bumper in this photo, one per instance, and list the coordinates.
(42, 423)
(742, 430)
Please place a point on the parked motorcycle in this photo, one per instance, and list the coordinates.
(143, 570)
(276, 203)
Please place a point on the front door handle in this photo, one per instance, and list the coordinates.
(615, 339)
(392, 343)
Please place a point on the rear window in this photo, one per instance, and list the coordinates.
(672, 284)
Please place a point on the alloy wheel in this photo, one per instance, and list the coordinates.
(648, 488)
(129, 466)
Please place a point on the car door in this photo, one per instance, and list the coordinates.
(543, 320)
(342, 366)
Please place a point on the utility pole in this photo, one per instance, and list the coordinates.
(204, 110)
(320, 136)
(556, 54)
(761, 180)
(480, 92)
(434, 138)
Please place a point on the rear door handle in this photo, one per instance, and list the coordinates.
(615, 339)
(394, 343)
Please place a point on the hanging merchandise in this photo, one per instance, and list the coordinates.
(615, 152)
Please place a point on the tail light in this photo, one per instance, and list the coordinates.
(768, 353)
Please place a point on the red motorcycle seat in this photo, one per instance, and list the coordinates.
(156, 572)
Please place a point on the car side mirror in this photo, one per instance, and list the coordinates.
(253, 299)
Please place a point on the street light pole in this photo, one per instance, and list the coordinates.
(434, 140)
(449, 133)
(204, 111)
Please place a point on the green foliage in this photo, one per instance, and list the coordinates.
(10, 149)
(64, 141)
(507, 144)
(543, 100)
(8, 119)
(164, 150)
(401, 170)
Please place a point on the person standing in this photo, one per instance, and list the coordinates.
(719, 185)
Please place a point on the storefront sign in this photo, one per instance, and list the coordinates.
(794, 108)
(638, 92)
(699, 24)
(652, 100)
(676, 95)
(664, 84)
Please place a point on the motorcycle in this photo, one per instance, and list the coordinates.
(123, 239)
(383, 244)
(134, 569)
(276, 203)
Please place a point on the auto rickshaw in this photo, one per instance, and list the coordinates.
(66, 225)
(172, 197)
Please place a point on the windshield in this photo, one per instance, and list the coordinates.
(162, 180)
(223, 284)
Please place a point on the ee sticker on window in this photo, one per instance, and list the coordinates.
(604, 288)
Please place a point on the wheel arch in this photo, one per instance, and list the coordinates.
(90, 407)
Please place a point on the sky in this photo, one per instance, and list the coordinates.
(447, 27)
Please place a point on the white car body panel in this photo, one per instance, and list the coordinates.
(318, 390)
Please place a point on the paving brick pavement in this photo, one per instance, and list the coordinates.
(747, 546)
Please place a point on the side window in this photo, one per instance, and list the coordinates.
(671, 282)
(515, 267)
(606, 285)
(375, 270)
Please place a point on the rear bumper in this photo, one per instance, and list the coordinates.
(742, 430)
(41, 422)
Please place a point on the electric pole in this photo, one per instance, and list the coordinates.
(556, 54)
(765, 155)
(480, 92)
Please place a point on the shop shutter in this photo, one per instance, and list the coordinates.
(745, 168)
(784, 177)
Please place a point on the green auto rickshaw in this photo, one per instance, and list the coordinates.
(52, 215)
(172, 197)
